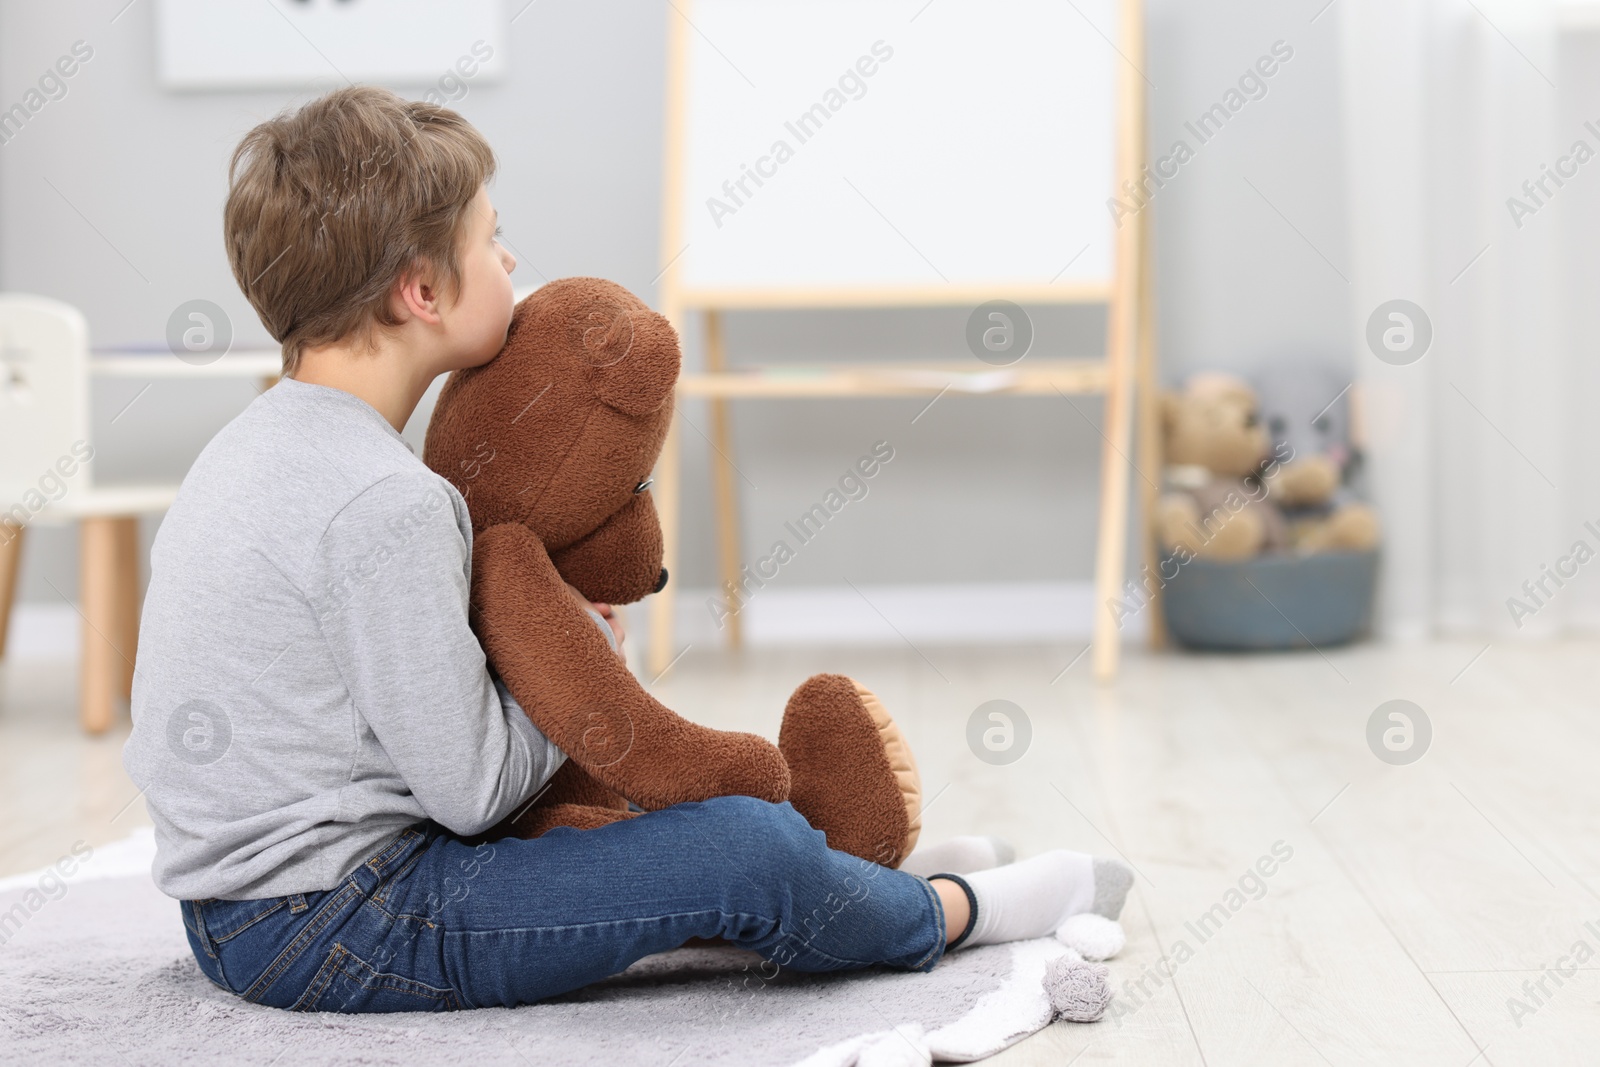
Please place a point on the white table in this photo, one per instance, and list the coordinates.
(147, 363)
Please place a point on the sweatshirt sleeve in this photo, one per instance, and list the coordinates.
(392, 574)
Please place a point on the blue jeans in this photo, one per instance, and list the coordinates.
(432, 922)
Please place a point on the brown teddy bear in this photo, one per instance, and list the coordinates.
(551, 443)
(1233, 494)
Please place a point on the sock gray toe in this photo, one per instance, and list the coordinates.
(1112, 880)
(1004, 851)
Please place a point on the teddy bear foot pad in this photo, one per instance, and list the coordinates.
(852, 774)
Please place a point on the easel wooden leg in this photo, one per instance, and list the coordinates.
(10, 559)
(1111, 552)
(727, 507)
(1122, 341)
(666, 494)
(102, 666)
(1147, 398)
(722, 485)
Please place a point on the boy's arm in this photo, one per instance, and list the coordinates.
(390, 585)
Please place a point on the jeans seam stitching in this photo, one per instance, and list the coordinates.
(379, 864)
(238, 930)
(606, 922)
(200, 932)
(321, 980)
(376, 864)
(338, 962)
(398, 984)
(377, 905)
(410, 863)
(293, 951)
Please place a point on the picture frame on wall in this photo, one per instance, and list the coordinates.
(313, 44)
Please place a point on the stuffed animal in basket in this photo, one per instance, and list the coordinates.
(552, 443)
(1233, 493)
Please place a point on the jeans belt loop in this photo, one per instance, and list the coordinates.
(370, 874)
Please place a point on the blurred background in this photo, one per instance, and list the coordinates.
(110, 199)
(1377, 165)
(1433, 159)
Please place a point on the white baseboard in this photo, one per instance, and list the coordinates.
(964, 613)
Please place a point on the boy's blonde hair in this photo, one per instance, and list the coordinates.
(328, 206)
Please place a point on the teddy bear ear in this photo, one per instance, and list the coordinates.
(635, 352)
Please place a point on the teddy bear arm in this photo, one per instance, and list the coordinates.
(575, 689)
(542, 818)
(570, 798)
(620, 562)
(1350, 528)
(571, 784)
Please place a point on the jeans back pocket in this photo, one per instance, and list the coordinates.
(347, 983)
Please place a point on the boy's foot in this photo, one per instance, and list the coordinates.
(960, 855)
(1034, 897)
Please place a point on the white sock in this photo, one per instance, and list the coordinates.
(959, 855)
(1034, 897)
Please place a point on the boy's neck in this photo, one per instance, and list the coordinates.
(388, 378)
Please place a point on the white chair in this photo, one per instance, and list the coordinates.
(46, 476)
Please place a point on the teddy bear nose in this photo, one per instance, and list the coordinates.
(642, 486)
(661, 582)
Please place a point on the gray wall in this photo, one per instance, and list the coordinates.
(980, 489)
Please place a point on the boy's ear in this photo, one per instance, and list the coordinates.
(636, 354)
(416, 295)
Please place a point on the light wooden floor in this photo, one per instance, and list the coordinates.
(1417, 901)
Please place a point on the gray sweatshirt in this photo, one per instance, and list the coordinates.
(306, 684)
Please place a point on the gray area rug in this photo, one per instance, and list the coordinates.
(95, 968)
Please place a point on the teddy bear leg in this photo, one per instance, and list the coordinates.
(852, 774)
(1176, 520)
(1353, 527)
(1305, 482)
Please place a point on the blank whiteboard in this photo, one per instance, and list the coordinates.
(978, 151)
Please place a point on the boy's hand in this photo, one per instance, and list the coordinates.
(607, 612)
